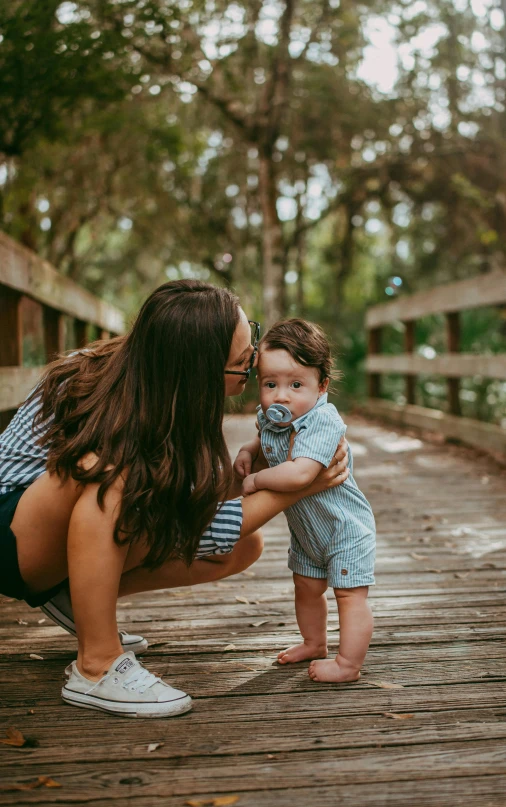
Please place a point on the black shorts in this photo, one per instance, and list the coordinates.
(11, 582)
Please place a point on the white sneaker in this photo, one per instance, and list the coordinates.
(59, 609)
(127, 689)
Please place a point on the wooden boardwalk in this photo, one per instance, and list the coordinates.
(261, 735)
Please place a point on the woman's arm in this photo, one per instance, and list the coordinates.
(260, 507)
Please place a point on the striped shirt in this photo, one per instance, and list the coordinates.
(22, 461)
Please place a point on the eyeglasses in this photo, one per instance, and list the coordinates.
(255, 336)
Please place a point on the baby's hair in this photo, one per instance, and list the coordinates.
(305, 342)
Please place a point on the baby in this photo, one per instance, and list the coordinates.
(333, 532)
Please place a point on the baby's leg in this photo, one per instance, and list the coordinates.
(311, 612)
(355, 630)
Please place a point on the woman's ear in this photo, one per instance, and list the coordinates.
(324, 387)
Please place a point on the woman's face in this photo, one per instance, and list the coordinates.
(239, 357)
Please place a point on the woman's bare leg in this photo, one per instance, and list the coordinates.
(95, 565)
(41, 524)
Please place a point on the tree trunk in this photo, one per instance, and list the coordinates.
(272, 245)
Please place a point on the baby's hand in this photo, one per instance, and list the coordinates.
(243, 463)
(248, 486)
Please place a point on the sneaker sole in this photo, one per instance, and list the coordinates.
(60, 619)
(169, 709)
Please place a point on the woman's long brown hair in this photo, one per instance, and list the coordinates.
(151, 405)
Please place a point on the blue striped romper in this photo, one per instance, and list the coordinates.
(333, 533)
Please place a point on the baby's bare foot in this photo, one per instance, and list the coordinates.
(301, 652)
(335, 670)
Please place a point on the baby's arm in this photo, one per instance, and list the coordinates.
(288, 476)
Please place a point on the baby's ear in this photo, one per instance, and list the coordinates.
(324, 386)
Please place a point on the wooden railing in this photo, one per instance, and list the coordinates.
(24, 275)
(450, 300)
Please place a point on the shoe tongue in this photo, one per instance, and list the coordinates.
(123, 664)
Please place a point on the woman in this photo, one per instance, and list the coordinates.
(122, 491)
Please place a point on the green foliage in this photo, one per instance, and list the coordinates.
(136, 135)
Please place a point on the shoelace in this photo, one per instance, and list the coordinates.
(140, 680)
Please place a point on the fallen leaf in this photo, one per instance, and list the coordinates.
(243, 599)
(40, 621)
(332, 629)
(488, 565)
(385, 685)
(249, 574)
(21, 622)
(218, 801)
(230, 647)
(461, 575)
(257, 624)
(154, 746)
(418, 557)
(270, 756)
(41, 781)
(428, 528)
(435, 571)
(49, 782)
(14, 737)
(397, 716)
(35, 656)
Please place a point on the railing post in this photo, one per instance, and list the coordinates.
(54, 332)
(80, 333)
(453, 338)
(11, 338)
(409, 346)
(374, 347)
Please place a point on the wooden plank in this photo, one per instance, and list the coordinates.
(477, 292)
(16, 383)
(250, 736)
(254, 772)
(450, 365)
(486, 436)
(23, 271)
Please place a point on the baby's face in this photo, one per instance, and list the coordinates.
(283, 381)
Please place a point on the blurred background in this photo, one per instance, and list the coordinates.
(318, 156)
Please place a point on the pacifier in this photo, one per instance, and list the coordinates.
(278, 414)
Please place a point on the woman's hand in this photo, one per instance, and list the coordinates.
(243, 463)
(333, 476)
(248, 486)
